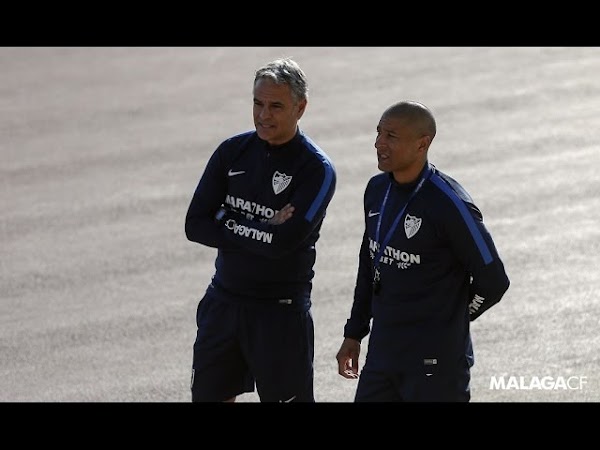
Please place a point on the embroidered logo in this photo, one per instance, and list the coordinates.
(280, 182)
(411, 225)
(231, 173)
(372, 213)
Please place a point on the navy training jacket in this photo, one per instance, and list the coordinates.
(256, 180)
(439, 271)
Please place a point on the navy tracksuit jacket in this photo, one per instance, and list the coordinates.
(439, 270)
(255, 180)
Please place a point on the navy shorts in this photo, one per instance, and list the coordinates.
(453, 386)
(243, 345)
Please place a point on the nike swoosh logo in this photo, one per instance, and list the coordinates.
(231, 173)
(288, 400)
(371, 213)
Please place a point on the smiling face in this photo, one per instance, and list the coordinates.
(401, 148)
(276, 112)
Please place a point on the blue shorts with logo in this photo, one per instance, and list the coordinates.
(244, 343)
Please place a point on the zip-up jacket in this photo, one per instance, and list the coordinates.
(254, 180)
(439, 270)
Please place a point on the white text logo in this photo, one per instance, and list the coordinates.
(540, 383)
(248, 232)
(251, 209)
(393, 256)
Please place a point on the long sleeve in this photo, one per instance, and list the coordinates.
(474, 246)
(358, 325)
(208, 197)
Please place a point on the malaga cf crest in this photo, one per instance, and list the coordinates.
(411, 225)
(280, 182)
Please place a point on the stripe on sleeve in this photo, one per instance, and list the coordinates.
(466, 215)
(325, 186)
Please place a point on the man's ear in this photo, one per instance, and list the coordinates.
(424, 143)
(301, 108)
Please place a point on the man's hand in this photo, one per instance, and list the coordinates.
(347, 358)
(282, 215)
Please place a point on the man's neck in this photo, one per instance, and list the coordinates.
(409, 175)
